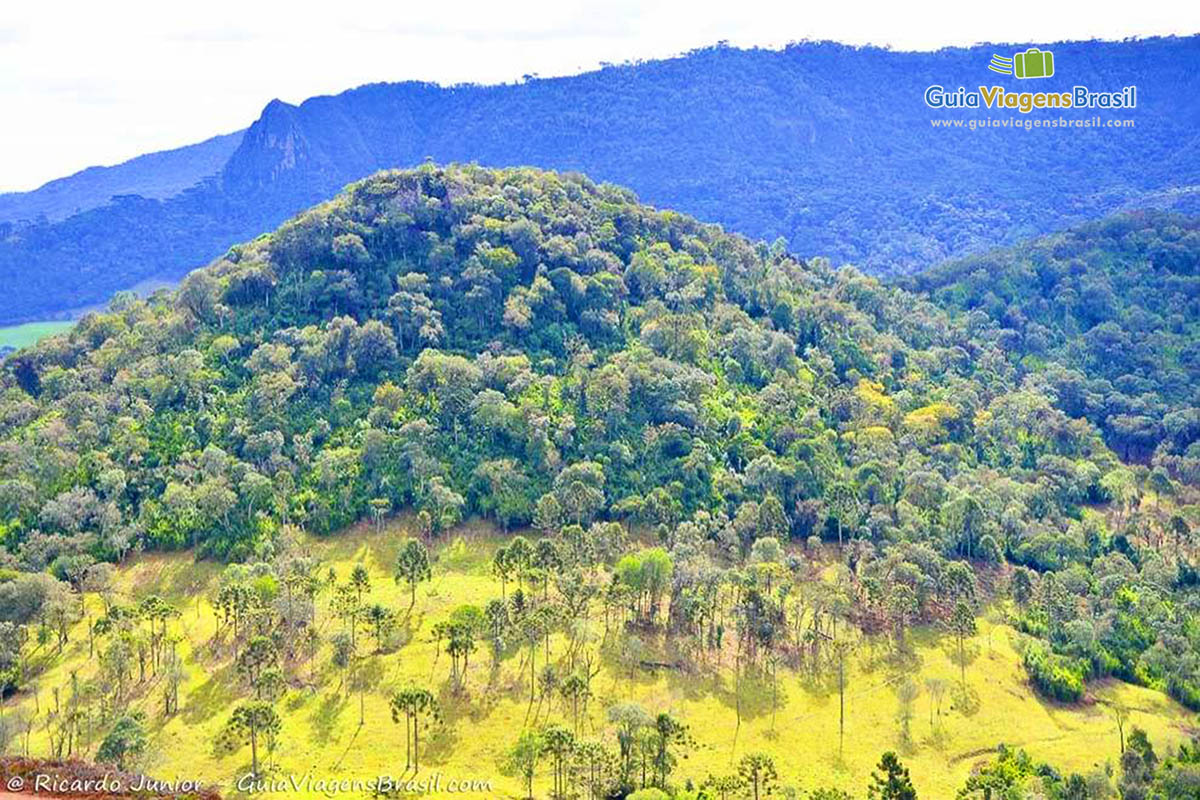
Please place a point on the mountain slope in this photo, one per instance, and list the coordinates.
(320, 731)
(156, 176)
(1106, 316)
(586, 320)
(537, 348)
(826, 145)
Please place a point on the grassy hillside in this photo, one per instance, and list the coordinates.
(18, 336)
(321, 733)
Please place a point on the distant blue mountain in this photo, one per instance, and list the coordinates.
(829, 146)
(157, 176)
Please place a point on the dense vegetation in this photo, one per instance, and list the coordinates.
(1144, 776)
(1106, 318)
(687, 417)
(828, 146)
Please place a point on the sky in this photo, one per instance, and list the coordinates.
(85, 82)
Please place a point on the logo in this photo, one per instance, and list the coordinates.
(1033, 63)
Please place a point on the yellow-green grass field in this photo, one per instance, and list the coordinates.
(19, 336)
(322, 737)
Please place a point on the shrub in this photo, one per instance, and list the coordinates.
(1057, 677)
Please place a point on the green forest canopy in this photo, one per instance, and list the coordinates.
(541, 349)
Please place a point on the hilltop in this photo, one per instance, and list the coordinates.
(828, 146)
(712, 452)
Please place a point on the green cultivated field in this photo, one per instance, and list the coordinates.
(321, 734)
(30, 332)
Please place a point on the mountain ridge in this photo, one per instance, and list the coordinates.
(826, 145)
(155, 176)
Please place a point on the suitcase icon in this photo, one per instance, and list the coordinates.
(1033, 63)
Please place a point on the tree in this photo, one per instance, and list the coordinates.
(844, 506)
(249, 723)
(963, 624)
(757, 771)
(580, 489)
(829, 793)
(502, 568)
(346, 604)
(344, 651)
(1159, 482)
(559, 744)
(449, 382)
(1121, 485)
(959, 581)
(379, 508)
(722, 787)
(548, 560)
(964, 518)
(360, 581)
(125, 740)
(12, 641)
(522, 758)
(1138, 764)
(629, 719)
(412, 566)
(382, 623)
(258, 656)
(518, 557)
(668, 732)
(414, 703)
(648, 574)
(1022, 587)
(891, 781)
(459, 632)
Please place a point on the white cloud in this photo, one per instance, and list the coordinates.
(85, 83)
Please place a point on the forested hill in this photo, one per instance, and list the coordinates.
(1105, 318)
(828, 146)
(537, 348)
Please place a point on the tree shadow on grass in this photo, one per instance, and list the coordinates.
(819, 685)
(623, 657)
(696, 682)
(325, 716)
(751, 694)
(937, 736)
(883, 653)
(965, 700)
(295, 701)
(441, 739)
(187, 582)
(837, 763)
(210, 697)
